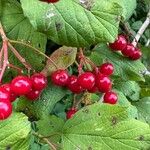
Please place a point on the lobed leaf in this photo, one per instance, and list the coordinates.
(73, 23)
(105, 127)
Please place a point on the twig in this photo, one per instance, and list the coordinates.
(145, 72)
(142, 29)
(147, 43)
(38, 51)
(45, 139)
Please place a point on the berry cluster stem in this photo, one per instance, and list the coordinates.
(81, 59)
(142, 29)
(7, 43)
(84, 61)
(4, 63)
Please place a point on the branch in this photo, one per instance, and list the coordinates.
(147, 43)
(141, 30)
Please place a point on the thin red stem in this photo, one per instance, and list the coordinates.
(20, 58)
(1, 57)
(35, 49)
(83, 59)
(80, 70)
(19, 70)
(90, 62)
(5, 61)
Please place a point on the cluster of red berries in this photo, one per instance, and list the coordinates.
(20, 86)
(126, 48)
(98, 80)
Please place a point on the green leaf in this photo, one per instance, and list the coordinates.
(36, 146)
(0, 8)
(44, 105)
(53, 124)
(72, 23)
(22, 144)
(128, 7)
(146, 55)
(105, 127)
(63, 58)
(130, 89)
(123, 101)
(145, 92)
(147, 2)
(17, 27)
(143, 107)
(136, 25)
(124, 68)
(15, 131)
(53, 128)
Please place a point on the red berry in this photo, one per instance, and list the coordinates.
(39, 81)
(129, 50)
(103, 83)
(70, 113)
(110, 97)
(86, 80)
(60, 77)
(21, 85)
(136, 54)
(119, 44)
(4, 94)
(106, 69)
(73, 85)
(94, 89)
(50, 1)
(7, 87)
(33, 95)
(5, 109)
